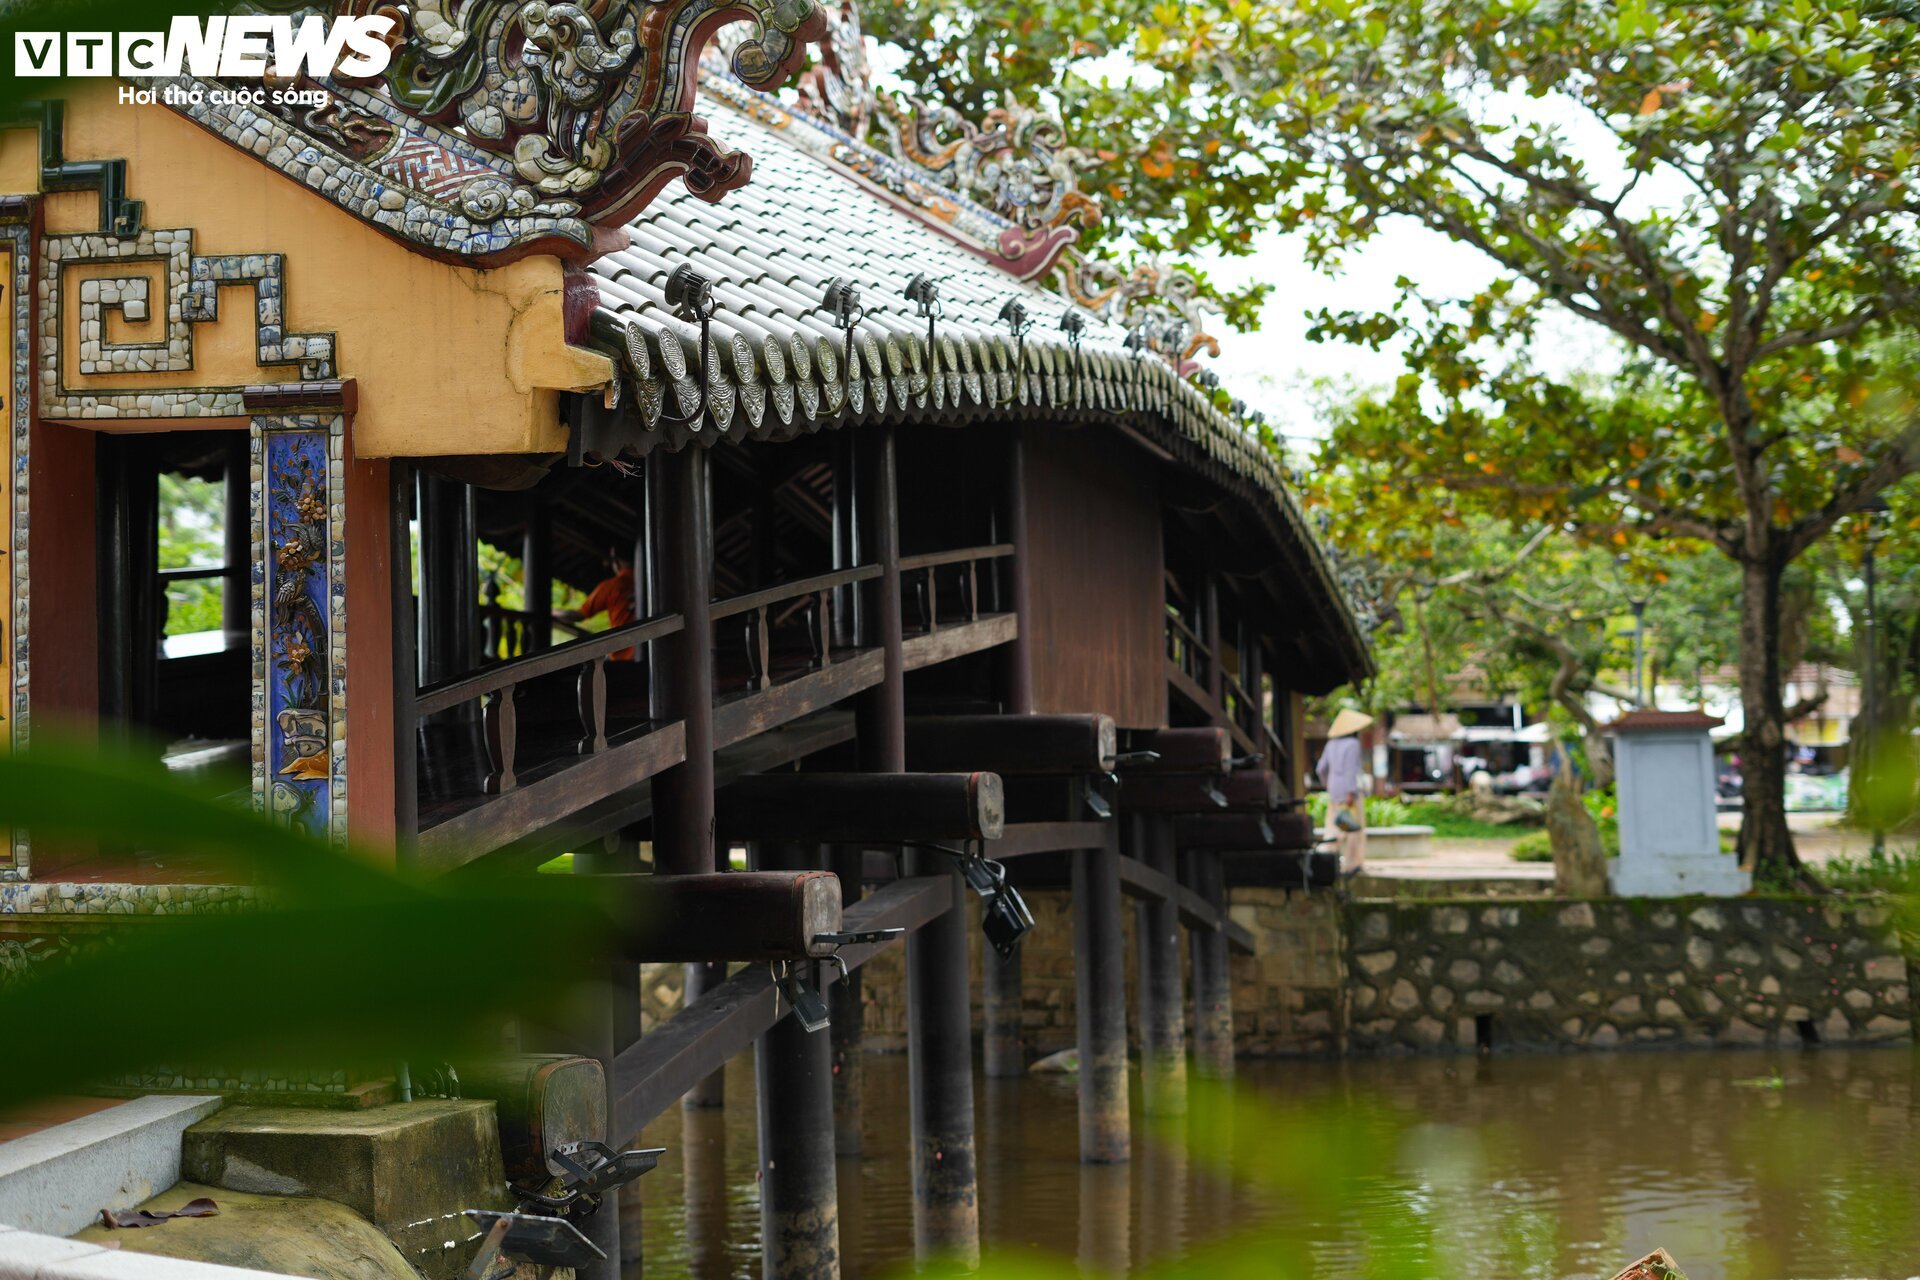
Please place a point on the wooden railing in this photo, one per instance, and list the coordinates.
(495, 685)
(920, 580)
(506, 633)
(1239, 711)
(766, 610)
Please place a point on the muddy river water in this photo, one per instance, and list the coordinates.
(1744, 1165)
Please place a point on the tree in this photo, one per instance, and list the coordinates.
(1722, 185)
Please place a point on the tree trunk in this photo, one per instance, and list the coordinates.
(1766, 843)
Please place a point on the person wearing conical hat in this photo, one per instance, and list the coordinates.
(1339, 773)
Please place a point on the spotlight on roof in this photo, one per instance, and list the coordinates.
(1073, 324)
(924, 292)
(689, 293)
(1013, 314)
(843, 301)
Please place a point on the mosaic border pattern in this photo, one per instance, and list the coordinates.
(192, 286)
(20, 315)
(297, 491)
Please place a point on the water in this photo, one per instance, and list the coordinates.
(1743, 1165)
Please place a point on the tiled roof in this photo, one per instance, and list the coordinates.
(775, 370)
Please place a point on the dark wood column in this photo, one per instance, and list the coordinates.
(850, 617)
(677, 544)
(682, 665)
(1163, 1035)
(536, 571)
(1002, 998)
(849, 1014)
(611, 1023)
(1003, 1030)
(793, 1078)
(946, 1210)
(1101, 1005)
(1019, 653)
(1212, 978)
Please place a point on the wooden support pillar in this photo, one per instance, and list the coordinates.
(682, 668)
(1163, 1038)
(849, 1019)
(704, 1189)
(536, 572)
(1210, 621)
(1003, 1032)
(1212, 978)
(946, 1212)
(1101, 1005)
(793, 1077)
(610, 1022)
(1020, 652)
(697, 980)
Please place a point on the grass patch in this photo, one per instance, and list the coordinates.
(1535, 847)
(1892, 872)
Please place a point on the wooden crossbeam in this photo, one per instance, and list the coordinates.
(1242, 791)
(1180, 751)
(1280, 868)
(1138, 880)
(700, 919)
(1283, 830)
(1013, 744)
(863, 808)
(656, 1070)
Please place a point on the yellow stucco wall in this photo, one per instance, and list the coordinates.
(449, 360)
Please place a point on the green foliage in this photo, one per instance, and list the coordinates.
(1603, 806)
(192, 534)
(1382, 811)
(1891, 871)
(341, 961)
(1536, 847)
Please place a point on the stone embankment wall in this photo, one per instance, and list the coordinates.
(1559, 974)
(1418, 975)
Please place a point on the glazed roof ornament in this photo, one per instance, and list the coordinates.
(502, 128)
(1152, 297)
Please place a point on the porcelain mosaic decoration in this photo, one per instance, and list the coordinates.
(16, 287)
(299, 621)
(503, 128)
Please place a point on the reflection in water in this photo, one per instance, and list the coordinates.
(1550, 1166)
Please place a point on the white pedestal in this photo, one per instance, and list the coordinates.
(1675, 875)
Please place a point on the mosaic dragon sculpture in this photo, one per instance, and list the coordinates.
(1016, 164)
(501, 128)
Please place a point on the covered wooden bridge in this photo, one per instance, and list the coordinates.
(952, 574)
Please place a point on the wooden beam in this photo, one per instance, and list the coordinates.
(652, 1074)
(957, 640)
(1019, 839)
(554, 800)
(722, 916)
(1138, 880)
(1242, 791)
(1281, 868)
(1205, 750)
(1053, 744)
(864, 808)
(744, 715)
(1286, 829)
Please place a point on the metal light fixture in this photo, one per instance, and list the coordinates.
(924, 292)
(690, 297)
(1074, 325)
(531, 1238)
(1004, 917)
(843, 304)
(1140, 338)
(1013, 314)
(791, 980)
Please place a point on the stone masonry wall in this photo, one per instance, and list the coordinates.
(1562, 974)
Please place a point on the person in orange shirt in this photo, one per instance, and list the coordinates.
(613, 596)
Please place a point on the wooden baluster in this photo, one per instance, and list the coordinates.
(933, 602)
(750, 645)
(922, 606)
(823, 638)
(763, 639)
(592, 695)
(971, 585)
(810, 617)
(498, 719)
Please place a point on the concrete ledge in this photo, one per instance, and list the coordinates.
(58, 1180)
(25, 1255)
(1398, 842)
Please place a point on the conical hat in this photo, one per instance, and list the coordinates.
(1348, 721)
